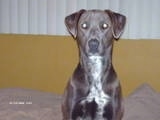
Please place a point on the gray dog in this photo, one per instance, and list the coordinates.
(94, 92)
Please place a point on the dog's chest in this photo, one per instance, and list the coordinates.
(95, 69)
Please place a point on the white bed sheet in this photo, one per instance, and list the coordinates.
(25, 104)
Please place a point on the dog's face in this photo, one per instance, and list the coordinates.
(95, 29)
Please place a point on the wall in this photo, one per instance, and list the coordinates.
(47, 16)
(46, 62)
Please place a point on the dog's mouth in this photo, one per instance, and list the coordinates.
(94, 50)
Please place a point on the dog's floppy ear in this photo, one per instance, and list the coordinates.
(71, 22)
(118, 23)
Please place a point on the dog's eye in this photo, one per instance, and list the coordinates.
(84, 25)
(105, 25)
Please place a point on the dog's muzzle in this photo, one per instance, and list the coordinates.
(93, 45)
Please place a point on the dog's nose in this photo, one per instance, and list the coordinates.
(93, 45)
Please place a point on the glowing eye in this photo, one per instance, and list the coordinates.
(84, 26)
(104, 25)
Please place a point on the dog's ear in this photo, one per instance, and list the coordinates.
(118, 23)
(71, 22)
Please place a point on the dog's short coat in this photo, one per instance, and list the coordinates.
(94, 92)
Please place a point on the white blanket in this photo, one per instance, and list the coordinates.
(25, 104)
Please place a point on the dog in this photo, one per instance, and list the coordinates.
(94, 92)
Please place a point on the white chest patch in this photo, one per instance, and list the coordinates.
(96, 93)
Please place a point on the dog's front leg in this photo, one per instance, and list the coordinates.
(114, 108)
(67, 102)
(72, 107)
(118, 100)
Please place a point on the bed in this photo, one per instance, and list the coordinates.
(27, 104)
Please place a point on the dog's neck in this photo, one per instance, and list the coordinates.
(95, 67)
(96, 64)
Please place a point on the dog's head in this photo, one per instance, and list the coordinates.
(95, 29)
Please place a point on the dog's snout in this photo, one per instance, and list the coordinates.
(93, 45)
